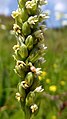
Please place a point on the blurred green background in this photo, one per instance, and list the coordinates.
(54, 77)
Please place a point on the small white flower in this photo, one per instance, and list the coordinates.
(30, 4)
(15, 13)
(24, 85)
(43, 16)
(17, 29)
(33, 20)
(39, 89)
(33, 108)
(38, 71)
(18, 96)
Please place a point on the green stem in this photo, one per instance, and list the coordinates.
(27, 113)
(32, 116)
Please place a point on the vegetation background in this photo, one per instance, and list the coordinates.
(54, 77)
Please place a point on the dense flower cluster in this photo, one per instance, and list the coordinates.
(29, 30)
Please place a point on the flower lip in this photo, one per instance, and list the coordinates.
(39, 89)
(33, 108)
(24, 85)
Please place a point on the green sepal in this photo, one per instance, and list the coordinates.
(23, 15)
(26, 30)
(34, 55)
(22, 105)
(27, 112)
(29, 78)
(20, 72)
(30, 99)
(29, 42)
(22, 92)
(23, 52)
(21, 3)
(16, 56)
(35, 84)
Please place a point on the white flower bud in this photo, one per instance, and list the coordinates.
(33, 69)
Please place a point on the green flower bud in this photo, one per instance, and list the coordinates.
(20, 39)
(36, 52)
(22, 92)
(21, 3)
(21, 68)
(29, 42)
(20, 72)
(43, 28)
(30, 98)
(16, 56)
(26, 29)
(39, 35)
(29, 78)
(23, 16)
(31, 7)
(34, 55)
(36, 83)
(23, 52)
